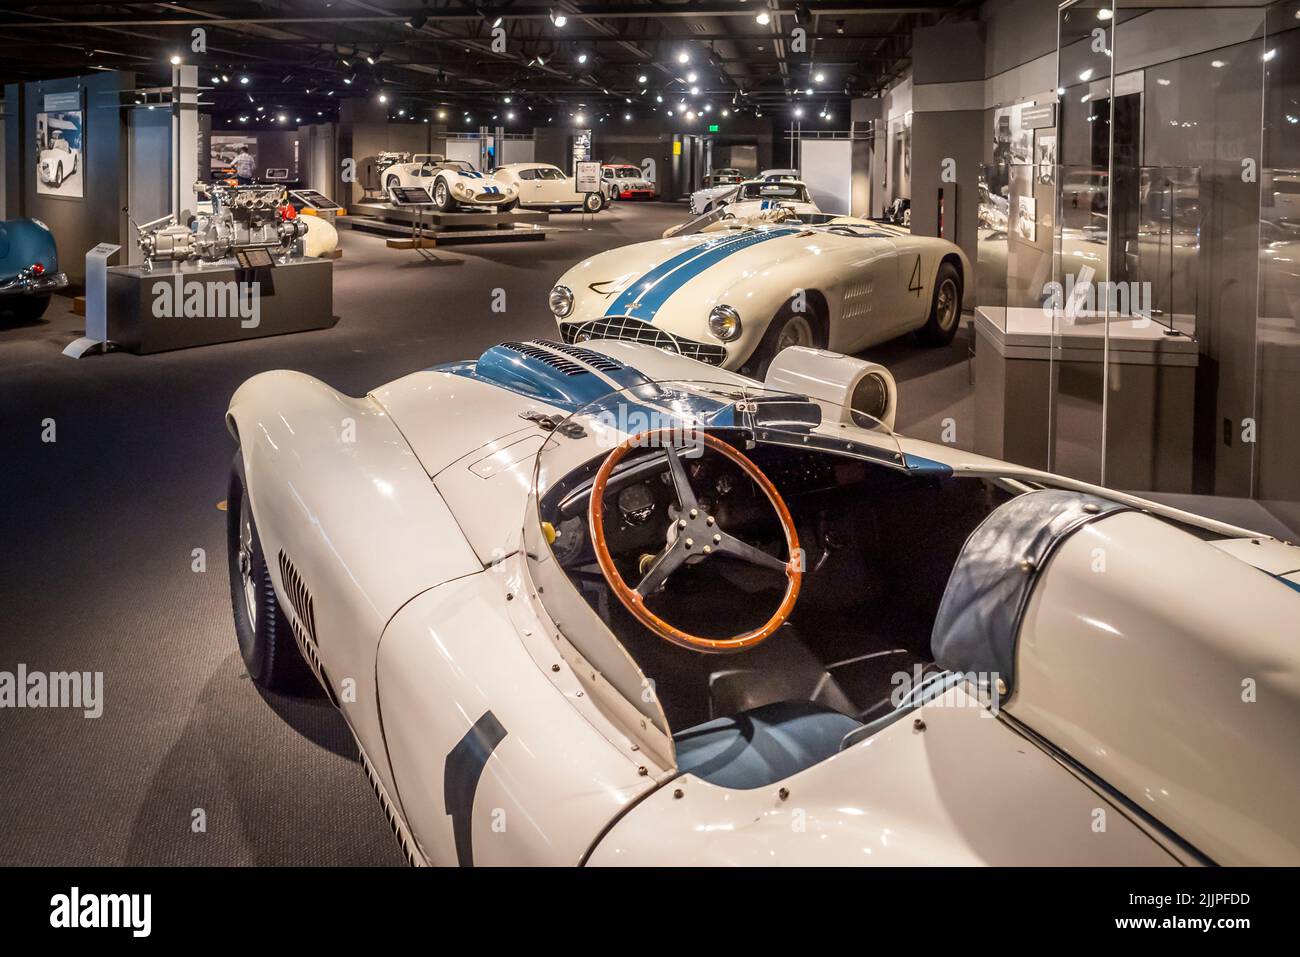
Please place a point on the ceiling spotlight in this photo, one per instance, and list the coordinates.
(627, 116)
(692, 77)
(401, 112)
(1105, 14)
(582, 58)
(418, 20)
(642, 79)
(348, 79)
(243, 119)
(670, 112)
(224, 78)
(558, 19)
(808, 92)
(819, 77)
(839, 27)
(497, 22)
(695, 91)
(798, 112)
(175, 60)
(690, 115)
(658, 98)
(216, 79)
(510, 115)
(580, 119)
(383, 97)
(726, 112)
(505, 99)
(683, 57)
(261, 109)
(764, 18)
(442, 114)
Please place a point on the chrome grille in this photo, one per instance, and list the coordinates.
(634, 330)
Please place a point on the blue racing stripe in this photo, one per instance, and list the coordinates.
(650, 303)
(643, 297)
(640, 286)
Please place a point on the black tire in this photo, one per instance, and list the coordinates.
(442, 196)
(593, 203)
(509, 207)
(266, 641)
(25, 308)
(58, 175)
(782, 328)
(392, 182)
(945, 308)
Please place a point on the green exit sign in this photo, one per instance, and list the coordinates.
(713, 127)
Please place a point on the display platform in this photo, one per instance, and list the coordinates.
(173, 306)
(1013, 358)
(437, 228)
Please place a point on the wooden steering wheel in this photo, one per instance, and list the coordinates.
(694, 533)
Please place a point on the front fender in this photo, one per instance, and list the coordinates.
(337, 491)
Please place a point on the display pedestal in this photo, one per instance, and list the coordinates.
(1149, 442)
(439, 229)
(177, 306)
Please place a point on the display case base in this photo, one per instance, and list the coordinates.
(179, 306)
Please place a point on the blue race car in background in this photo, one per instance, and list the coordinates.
(29, 268)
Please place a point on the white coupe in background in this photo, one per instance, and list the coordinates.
(451, 183)
(607, 605)
(734, 292)
(543, 186)
(57, 162)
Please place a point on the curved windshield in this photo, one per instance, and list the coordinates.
(794, 192)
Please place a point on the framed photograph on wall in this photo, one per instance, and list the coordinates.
(1045, 157)
(1027, 218)
(60, 149)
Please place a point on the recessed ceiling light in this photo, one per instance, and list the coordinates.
(764, 18)
(683, 57)
(642, 79)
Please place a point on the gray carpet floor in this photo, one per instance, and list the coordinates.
(99, 529)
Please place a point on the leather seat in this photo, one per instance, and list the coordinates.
(763, 745)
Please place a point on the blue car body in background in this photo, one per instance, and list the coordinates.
(29, 267)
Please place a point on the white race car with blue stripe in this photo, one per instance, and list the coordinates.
(451, 183)
(733, 292)
(759, 195)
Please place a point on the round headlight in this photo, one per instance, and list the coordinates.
(724, 322)
(871, 396)
(561, 300)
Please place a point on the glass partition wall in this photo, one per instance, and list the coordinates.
(1172, 222)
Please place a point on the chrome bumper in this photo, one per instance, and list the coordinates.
(29, 286)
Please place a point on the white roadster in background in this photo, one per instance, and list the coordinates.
(57, 162)
(608, 605)
(758, 195)
(733, 292)
(451, 183)
(543, 186)
(722, 186)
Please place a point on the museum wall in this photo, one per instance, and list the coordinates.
(95, 217)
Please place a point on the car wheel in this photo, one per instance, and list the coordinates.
(442, 196)
(594, 203)
(58, 176)
(26, 308)
(266, 642)
(392, 183)
(509, 207)
(789, 328)
(945, 308)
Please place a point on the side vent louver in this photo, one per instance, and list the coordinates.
(299, 597)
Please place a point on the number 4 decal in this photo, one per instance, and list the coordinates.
(914, 284)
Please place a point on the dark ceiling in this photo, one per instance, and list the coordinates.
(302, 56)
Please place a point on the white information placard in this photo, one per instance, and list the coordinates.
(588, 177)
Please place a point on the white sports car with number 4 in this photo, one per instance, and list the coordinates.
(607, 605)
(734, 292)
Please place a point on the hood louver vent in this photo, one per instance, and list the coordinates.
(598, 361)
(559, 363)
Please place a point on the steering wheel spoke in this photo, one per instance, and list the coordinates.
(731, 545)
(665, 563)
(681, 481)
